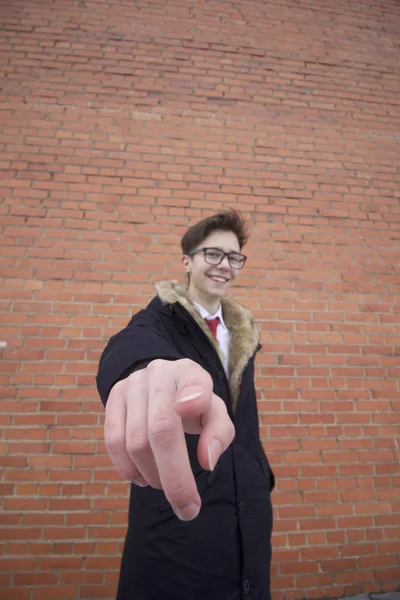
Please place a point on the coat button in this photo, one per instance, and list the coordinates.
(246, 587)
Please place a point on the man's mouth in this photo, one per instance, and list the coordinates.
(218, 278)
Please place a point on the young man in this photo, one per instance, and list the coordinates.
(182, 426)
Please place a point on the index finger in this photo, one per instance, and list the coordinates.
(167, 441)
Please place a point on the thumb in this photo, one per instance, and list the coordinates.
(217, 435)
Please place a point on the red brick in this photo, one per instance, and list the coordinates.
(386, 575)
(18, 564)
(56, 563)
(16, 593)
(47, 593)
(312, 581)
(80, 577)
(97, 591)
(33, 579)
(343, 564)
(307, 524)
(373, 562)
(350, 577)
(373, 507)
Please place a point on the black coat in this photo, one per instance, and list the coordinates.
(225, 553)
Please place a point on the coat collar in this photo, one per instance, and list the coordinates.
(206, 315)
(244, 334)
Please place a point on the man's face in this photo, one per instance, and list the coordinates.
(212, 281)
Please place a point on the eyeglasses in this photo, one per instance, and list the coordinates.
(215, 256)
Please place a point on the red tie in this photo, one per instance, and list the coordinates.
(213, 324)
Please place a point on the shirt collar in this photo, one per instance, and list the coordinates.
(206, 315)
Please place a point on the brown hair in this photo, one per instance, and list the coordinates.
(229, 220)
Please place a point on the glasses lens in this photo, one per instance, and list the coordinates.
(214, 256)
(236, 261)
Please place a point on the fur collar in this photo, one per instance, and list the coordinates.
(243, 331)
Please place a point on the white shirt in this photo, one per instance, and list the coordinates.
(223, 337)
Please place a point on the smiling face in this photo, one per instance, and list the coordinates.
(209, 283)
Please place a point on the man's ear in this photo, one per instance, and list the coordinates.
(185, 260)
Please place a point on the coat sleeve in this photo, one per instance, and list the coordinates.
(143, 340)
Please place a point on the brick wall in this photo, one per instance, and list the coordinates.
(121, 124)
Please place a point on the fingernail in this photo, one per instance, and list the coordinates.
(140, 482)
(188, 513)
(189, 397)
(214, 452)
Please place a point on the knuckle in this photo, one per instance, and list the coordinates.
(177, 490)
(185, 362)
(113, 431)
(116, 392)
(191, 373)
(113, 442)
(137, 377)
(161, 430)
(191, 365)
(156, 364)
(137, 442)
(162, 436)
(158, 390)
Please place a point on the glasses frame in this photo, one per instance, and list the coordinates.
(228, 254)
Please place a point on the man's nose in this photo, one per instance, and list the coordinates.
(225, 263)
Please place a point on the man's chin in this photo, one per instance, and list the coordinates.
(217, 291)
